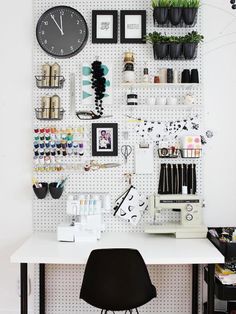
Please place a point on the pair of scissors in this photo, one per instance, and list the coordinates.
(93, 165)
(126, 151)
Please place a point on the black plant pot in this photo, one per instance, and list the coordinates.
(41, 192)
(176, 50)
(175, 16)
(189, 15)
(160, 15)
(190, 50)
(54, 191)
(161, 51)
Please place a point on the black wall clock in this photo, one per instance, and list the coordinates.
(62, 32)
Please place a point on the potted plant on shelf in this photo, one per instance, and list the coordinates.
(190, 8)
(160, 45)
(190, 43)
(175, 47)
(175, 11)
(160, 11)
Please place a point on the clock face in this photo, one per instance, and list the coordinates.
(62, 32)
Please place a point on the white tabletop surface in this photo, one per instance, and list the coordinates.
(155, 249)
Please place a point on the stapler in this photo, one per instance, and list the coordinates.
(190, 208)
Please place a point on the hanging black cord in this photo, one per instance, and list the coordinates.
(99, 86)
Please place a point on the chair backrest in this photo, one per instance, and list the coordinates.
(116, 279)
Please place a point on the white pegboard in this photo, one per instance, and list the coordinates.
(63, 282)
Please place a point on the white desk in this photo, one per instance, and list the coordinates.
(43, 248)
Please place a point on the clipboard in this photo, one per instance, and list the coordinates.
(144, 159)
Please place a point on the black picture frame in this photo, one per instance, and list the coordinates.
(123, 15)
(110, 139)
(95, 39)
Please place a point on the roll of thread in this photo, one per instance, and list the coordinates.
(175, 76)
(185, 76)
(194, 76)
(55, 75)
(132, 99)
(55, 107)
(170, 76)
(46, 72)
(163, 75)
(45, 106)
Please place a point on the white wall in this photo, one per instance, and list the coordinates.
(15, 126)
(15, 130)
(219, 84)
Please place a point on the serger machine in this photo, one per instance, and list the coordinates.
(190, 208)
(86, 210)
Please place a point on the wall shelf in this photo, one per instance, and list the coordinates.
(160, 85)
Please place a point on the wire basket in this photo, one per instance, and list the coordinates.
(52, 82)
(49, 114)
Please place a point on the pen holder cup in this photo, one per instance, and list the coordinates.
(54, 191)
(41, 192)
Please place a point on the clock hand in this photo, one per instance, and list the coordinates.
(52, 16)
(61, 24)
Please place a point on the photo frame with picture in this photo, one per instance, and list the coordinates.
(104, 26)
(133, 26)
(104, 139)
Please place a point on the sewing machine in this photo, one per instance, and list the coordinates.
(86, 210)
(190, 208)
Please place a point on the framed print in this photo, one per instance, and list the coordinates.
(132, 27)
(104, 27)
(104, 139)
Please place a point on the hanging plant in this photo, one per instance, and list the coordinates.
(175, 12)
(190, 8)
(174, 47)
(99, 86)
(160, 11)
(190, 44)
(160, 45)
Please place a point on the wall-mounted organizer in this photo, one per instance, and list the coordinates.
(49, 213)
(174, 16)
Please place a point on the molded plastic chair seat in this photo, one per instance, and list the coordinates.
(116, 280)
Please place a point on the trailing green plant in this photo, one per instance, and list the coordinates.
(191, 3)
(156, 37)
(175, 39)
(176, 3)
(193, 37)
(161, 3)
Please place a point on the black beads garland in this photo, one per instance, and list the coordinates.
(233, 4)
(99, 86)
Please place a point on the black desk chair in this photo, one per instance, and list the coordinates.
(116, 280)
